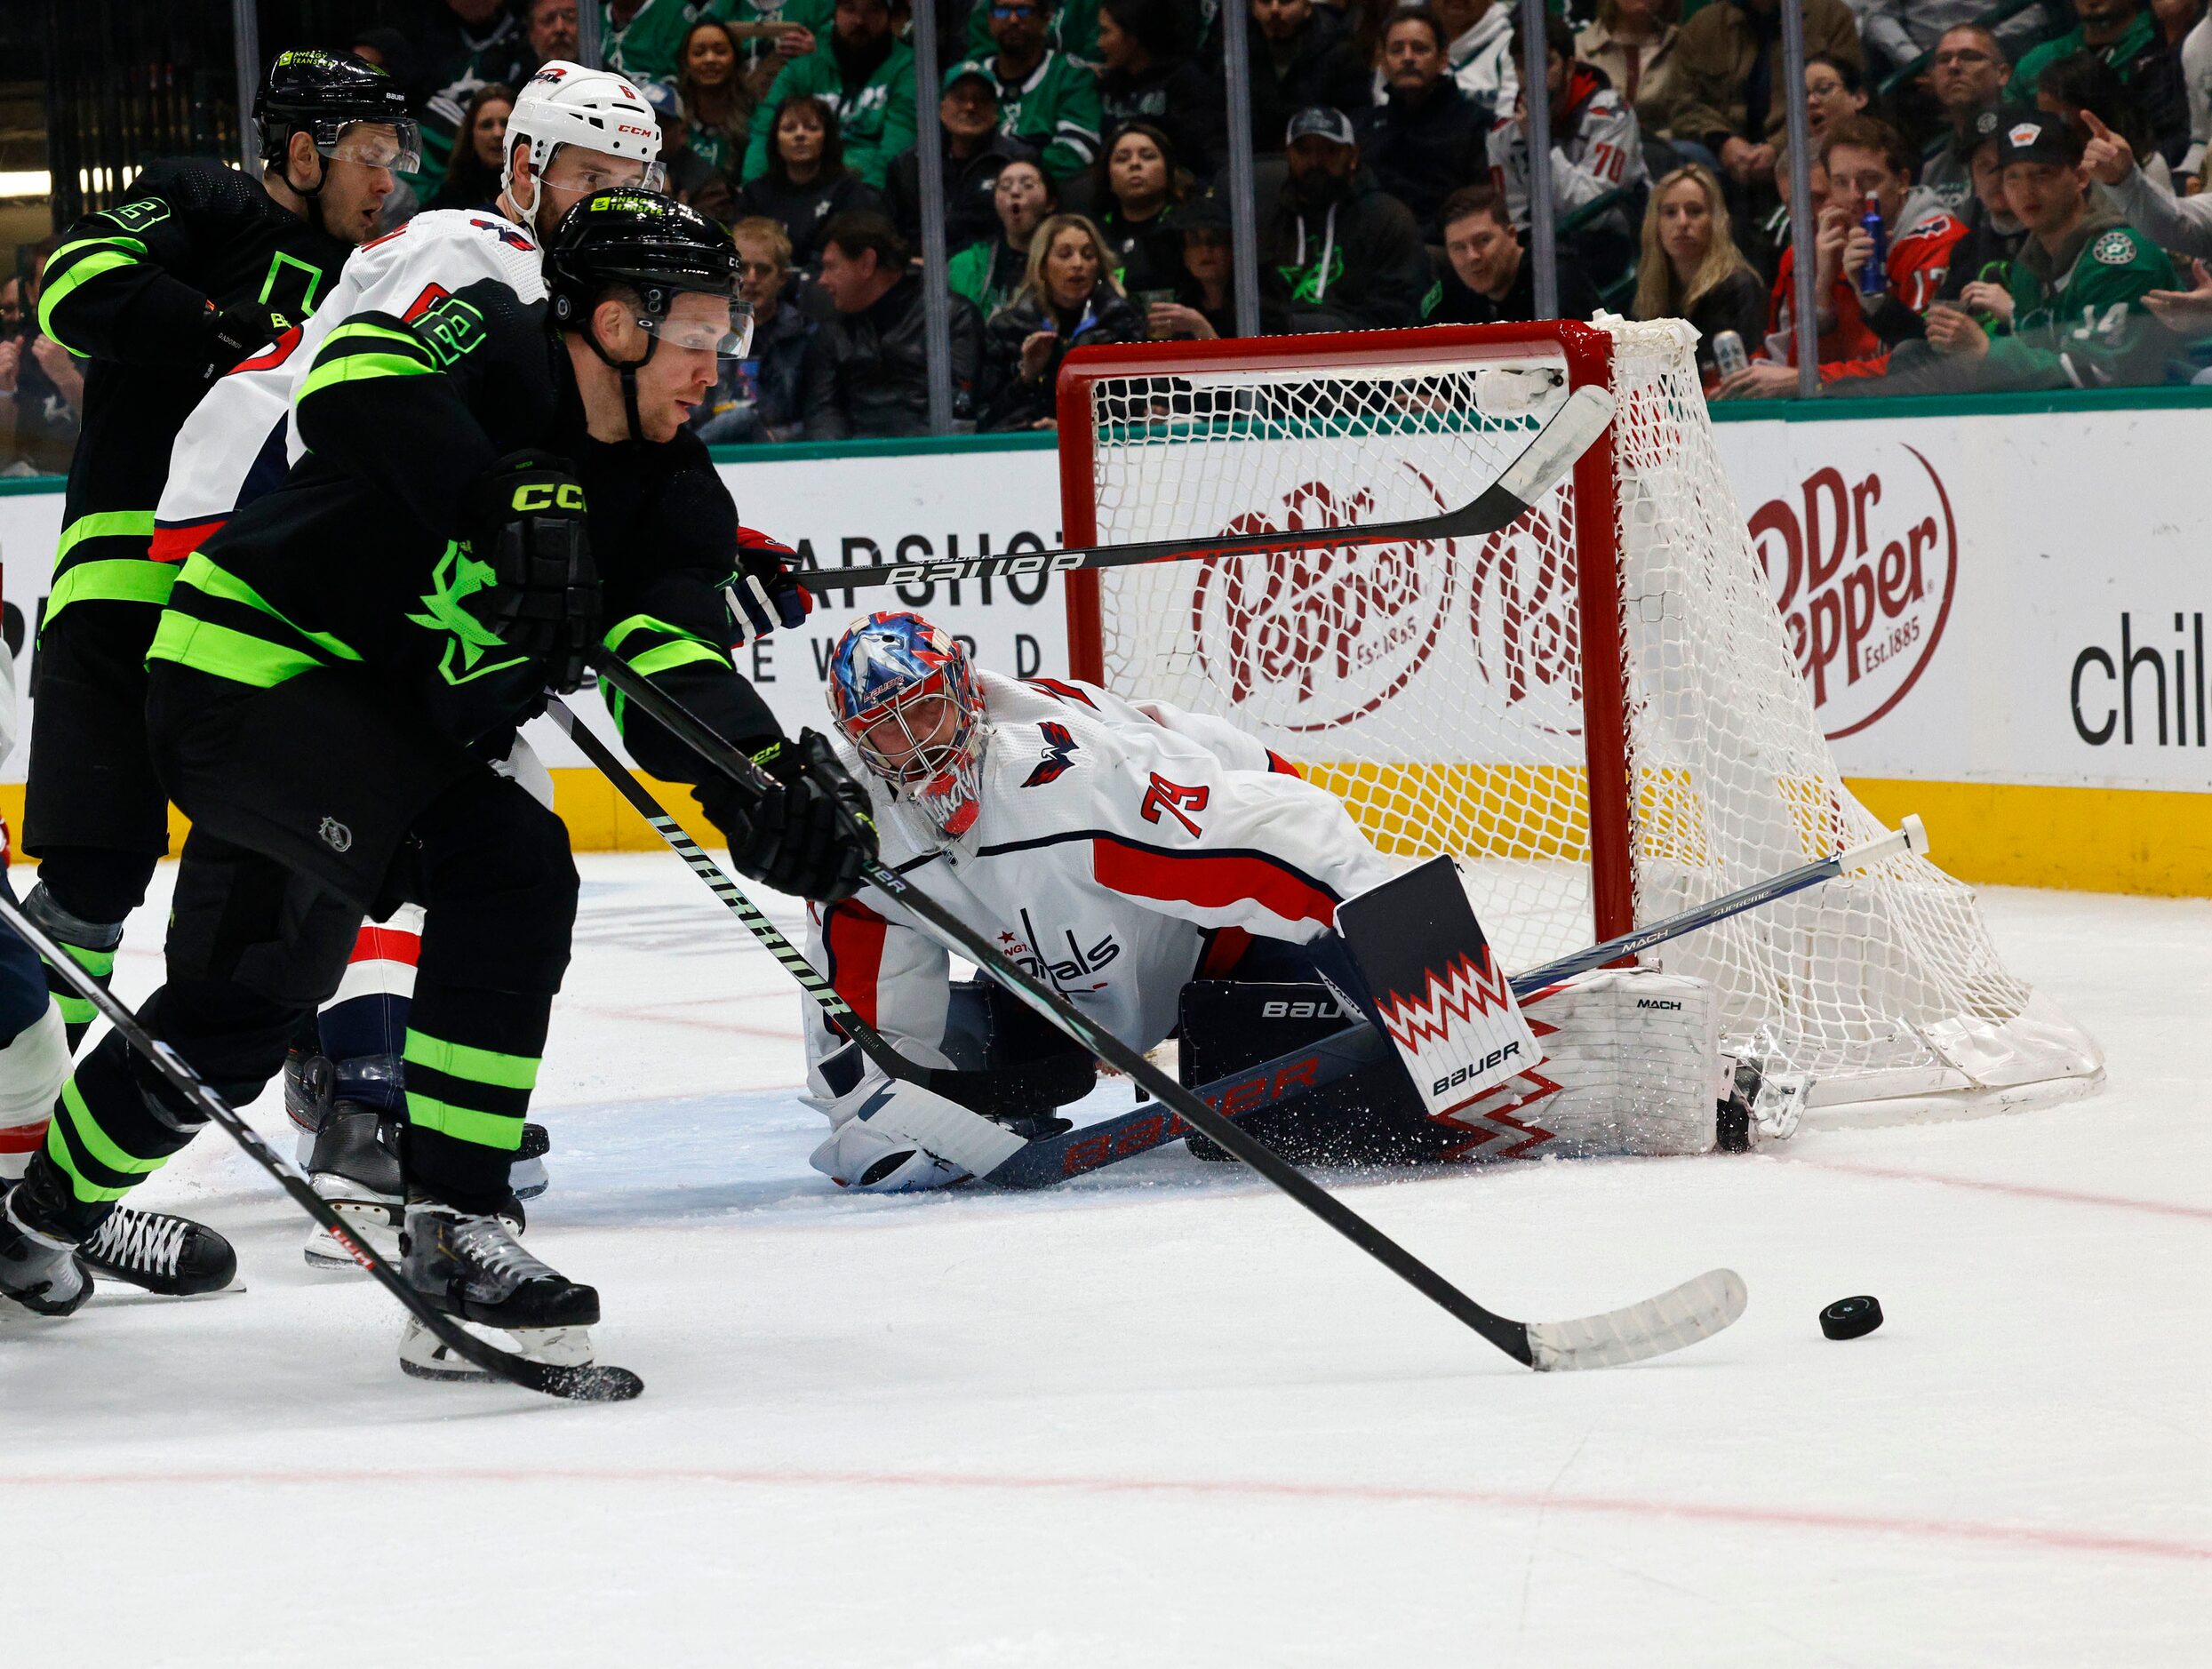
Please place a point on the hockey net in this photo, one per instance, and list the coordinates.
(1596, 712)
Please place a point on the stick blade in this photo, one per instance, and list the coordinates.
(1572, 432)
(1680, 1316)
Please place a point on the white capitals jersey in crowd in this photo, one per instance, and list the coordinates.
(240, 440)
(1119, 846)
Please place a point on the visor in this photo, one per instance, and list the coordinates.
(573, 174)
(393, 145)
(728, 336)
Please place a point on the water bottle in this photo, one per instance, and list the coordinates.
(1727, 354)
(1873, 278)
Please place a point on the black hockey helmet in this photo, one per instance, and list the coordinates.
(658, 249)
(322, 94)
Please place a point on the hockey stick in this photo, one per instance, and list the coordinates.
(594, 1384)
(1108, 1141)
(1547, 458)
(1679, 1316)
(810, 980)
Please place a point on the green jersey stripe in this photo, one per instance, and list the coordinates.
(465, 1124)
(461, 1060)
(125, 580)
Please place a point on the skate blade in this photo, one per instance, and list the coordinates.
(423, 1355)
(112, 1293)
(372, 1220)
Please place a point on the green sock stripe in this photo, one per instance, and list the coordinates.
(75, 1010)
(500, 1130)
(99, 963)
(89, 1189)
(482, 1066)
(96, 1143)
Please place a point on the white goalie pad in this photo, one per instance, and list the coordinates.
(890, 1137)
(1631, 1065)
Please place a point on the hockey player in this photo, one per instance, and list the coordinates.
(1158, 867)
(337, 665)
(200, 269)
(572, 131)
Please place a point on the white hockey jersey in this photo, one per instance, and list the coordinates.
(1123, 848)
(1595, 148)
(241, 439)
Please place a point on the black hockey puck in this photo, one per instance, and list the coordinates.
(1851, 1318)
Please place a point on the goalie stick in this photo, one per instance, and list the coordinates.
(594, 1384)
(1547, 458)
(1108, 1141)
(1679, 1316)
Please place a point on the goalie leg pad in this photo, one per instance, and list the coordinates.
(1632, 1066)
(890, 1137)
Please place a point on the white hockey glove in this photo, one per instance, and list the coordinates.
(890, 1137)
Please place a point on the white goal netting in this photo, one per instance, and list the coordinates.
(1440, 688)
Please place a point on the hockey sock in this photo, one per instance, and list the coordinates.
(364, 1028)
(472, 1061)
(92, 945)
(107, 1136)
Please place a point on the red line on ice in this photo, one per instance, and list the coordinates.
(2019, 1190)
(2028, 1536)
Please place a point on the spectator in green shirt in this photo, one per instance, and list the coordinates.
(639, 37)
(718, 106)
(2074, 315)
(989, 273)
(2125, 35)
(866, 76)
(1045, 97)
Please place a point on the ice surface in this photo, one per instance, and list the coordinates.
(1161, 1417)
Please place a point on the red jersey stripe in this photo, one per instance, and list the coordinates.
(386, 944)
(174, 544)
(1210, 880)
(855, 935)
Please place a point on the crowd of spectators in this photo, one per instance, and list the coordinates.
(2006, 196)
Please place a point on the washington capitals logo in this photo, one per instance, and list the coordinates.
(1059, 750)
(1456, 996)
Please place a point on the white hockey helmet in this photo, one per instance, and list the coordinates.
(567, 104)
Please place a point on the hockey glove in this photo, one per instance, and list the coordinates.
(763, 593)
(527, 519)
(809, 833)
(239, 331)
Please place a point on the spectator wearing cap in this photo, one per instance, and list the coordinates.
(1984, 256)
(691, 178)
(1967, 75)
(806, 183)
(1490, 278)
(1204, 307)
(1302, 57)
(472, 178)
(1068, 300)
(757, 397)
(1729, 68)
(1046, 98)
(1348, 254)
(1138, 183)
(865, 75)
(1595, 146)
(974, 151)
(1633, 43)
(868, 367)
(1149, 76)
(1427, 135)
(988, 273)
(2075, 314)
(718, 103)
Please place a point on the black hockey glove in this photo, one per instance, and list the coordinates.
(809, 833)
(239, 331)
(528, 525)
(763, 593)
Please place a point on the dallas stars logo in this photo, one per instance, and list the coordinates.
(458, 577)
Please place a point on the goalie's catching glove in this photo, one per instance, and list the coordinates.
(765, 593)
(528, 525)
(808, 832)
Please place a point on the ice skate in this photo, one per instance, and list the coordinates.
(471, 1267)
(40, 1267)
(160, 1252)
(351, 1160)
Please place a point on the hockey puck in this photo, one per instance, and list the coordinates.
(1851, 1318)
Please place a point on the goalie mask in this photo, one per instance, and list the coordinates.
(904, 694)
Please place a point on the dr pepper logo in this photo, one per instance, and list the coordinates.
(1862, 566)
(1310, 640)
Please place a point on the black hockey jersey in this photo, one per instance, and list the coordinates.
(136, 290)
(362, 557)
